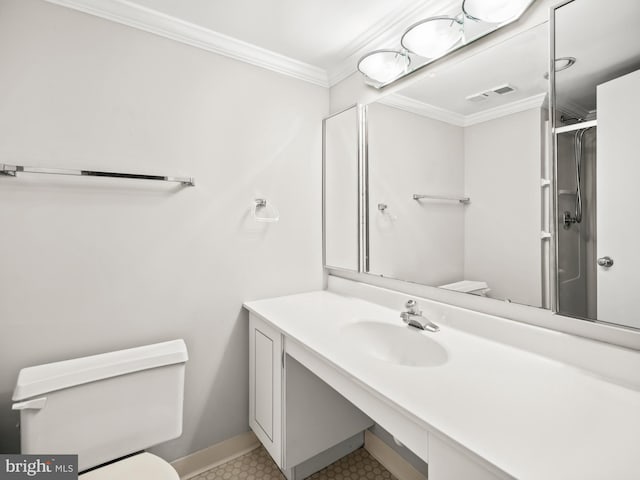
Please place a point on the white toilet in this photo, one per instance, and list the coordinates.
(106, 407)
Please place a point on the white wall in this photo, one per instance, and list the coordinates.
(503, 161)
(420, 241)
(92, 265)
(496, 238)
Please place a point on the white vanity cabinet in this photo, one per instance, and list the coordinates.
(265, 385)
(302, 422)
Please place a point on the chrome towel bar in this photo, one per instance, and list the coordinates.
(13, 170)
(463, 200)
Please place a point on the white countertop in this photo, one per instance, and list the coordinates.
(530, 416)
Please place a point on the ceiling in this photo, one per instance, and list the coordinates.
(318, 40)
(519, 61)
(604, 45)
(501, 64)
(311, 31)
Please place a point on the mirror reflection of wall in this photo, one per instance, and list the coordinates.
(596, 103)
(341, 236)
(474, 130)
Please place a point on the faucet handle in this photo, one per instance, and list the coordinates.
(412, 307)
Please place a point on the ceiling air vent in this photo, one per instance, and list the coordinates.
(501, 90)
(504, 89)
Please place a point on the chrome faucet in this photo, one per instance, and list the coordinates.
(414, 318)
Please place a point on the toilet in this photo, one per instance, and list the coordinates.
(469, 286)
(107, 409)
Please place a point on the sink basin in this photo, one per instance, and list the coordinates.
(398, 344)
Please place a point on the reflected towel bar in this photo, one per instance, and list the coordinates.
(577, 126)
(13, 170)
(463, 200)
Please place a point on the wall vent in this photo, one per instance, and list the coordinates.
(504, 89)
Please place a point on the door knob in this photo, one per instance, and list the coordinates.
(605, 262)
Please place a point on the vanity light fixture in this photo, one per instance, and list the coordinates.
(383, 66)
(494, 11)
(432, 37)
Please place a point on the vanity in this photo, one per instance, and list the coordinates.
(494, 184)
(483, 398)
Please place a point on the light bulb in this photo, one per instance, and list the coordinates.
(494, 11)
(433, 37)
(383, 66)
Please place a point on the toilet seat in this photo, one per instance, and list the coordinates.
(144, 466)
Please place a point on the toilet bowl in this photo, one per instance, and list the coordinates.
(111, 406)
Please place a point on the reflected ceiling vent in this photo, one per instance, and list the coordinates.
(496, 91)
(478, 97)
(504, 89)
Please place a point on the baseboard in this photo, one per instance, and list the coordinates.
(390, 459)
(222, 452)
(215, 455)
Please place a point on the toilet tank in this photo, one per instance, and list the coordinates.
(105, 406)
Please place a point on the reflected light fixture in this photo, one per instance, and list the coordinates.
(494, 11)
(562, 63)
(383, 66)
(432, 37)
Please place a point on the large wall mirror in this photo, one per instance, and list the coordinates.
(597, 100)
(460, 189)
(456, 162)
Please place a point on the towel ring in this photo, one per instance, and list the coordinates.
(262, 203)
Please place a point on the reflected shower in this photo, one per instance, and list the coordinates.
(576, 217)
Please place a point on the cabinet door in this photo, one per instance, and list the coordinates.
(265, 386)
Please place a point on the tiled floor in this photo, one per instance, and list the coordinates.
(258, 465)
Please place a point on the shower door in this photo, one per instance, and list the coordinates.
(617, 210)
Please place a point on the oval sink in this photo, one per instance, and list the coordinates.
(398, 344)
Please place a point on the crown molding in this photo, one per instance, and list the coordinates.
(152, 21)
(423, 109)
(535, 101)
(385, 34)
(437, 113)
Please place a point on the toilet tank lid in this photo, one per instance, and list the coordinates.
(50, 377)
(467, 286)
